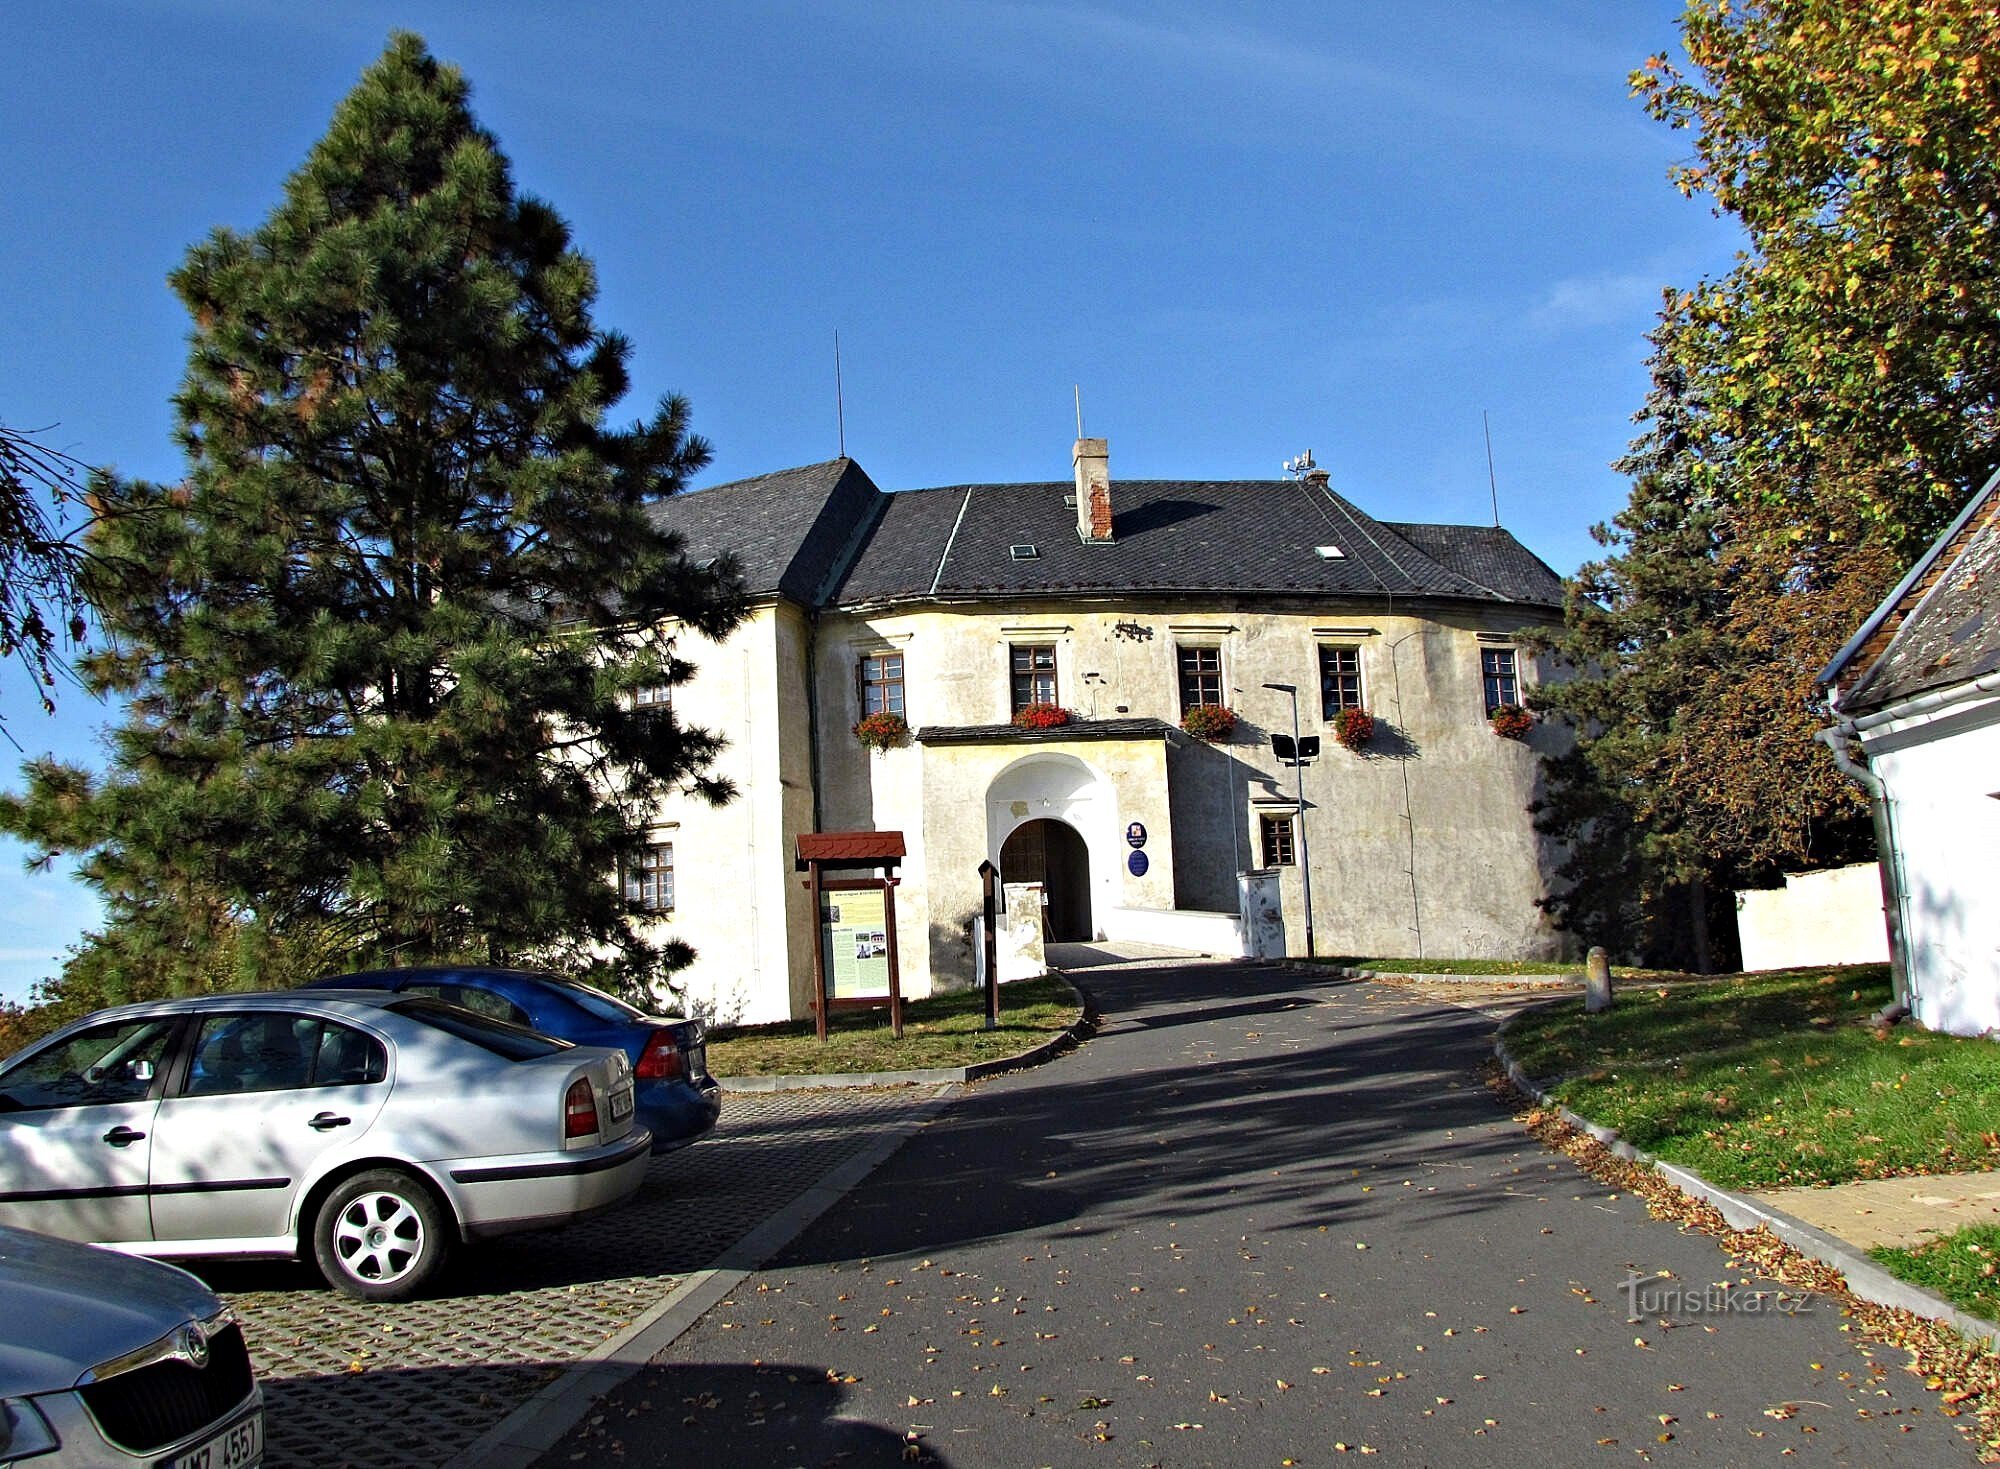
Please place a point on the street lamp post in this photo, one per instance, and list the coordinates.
(1299, 790)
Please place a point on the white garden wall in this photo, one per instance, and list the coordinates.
(1832, 917)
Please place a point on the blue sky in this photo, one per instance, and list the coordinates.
(1241, 230)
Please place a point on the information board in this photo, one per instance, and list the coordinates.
(855, 934)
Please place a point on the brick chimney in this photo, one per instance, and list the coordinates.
(1092, 458)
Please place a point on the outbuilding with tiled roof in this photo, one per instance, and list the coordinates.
(1917, 696)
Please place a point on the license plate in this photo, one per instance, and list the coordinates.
(238, 1446)
(621, 1103)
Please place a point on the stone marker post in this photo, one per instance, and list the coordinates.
(1597, 981)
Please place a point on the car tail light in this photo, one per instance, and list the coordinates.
(661, 1058)
(580, 1109)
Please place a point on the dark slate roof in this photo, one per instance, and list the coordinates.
(1950, 617)
(1179, 536)
(824, 533)
(1076, 729)
(790, 531)
(1487, 555)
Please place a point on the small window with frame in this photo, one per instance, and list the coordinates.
(1275, 839)
(653, 697)
(1032, 669)
(649, 878)
(1499, 677)
(880, 676)
(1339, 679)
(1200, 677)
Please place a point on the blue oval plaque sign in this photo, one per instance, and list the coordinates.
(1137, 864)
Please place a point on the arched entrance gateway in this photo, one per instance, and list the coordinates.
(1053, 854)
(1044, 814)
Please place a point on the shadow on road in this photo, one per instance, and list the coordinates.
(1207, 1087)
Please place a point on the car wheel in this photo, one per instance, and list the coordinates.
(380, 1236)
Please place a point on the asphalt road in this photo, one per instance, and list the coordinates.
(1259, 1220)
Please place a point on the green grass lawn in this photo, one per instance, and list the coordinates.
(1964, 1268)
(1771, 1080)
(946, 1030)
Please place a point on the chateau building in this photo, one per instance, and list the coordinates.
(1127, 605)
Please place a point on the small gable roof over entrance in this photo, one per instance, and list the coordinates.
(1939, 628)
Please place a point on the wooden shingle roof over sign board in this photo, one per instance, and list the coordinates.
(851, 848)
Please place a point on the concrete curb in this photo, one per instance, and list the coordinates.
(1344, 971)
(1865, 1278)
(937, 1075)
(1538, 981)
(535, 1427)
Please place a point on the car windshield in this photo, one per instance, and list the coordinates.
(501, 1037)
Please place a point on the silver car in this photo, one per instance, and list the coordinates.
(369, 1132)
(106, 1361)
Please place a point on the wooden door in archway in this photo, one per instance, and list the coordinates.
(1053, 854)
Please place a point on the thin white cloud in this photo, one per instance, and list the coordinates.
(1584, 301)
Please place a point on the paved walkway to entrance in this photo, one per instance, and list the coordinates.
(1893, 1211)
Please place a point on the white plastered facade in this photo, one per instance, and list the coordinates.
(1419, 844)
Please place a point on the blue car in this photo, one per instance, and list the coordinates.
(677, 1099)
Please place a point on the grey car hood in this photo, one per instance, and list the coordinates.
(65, 1308)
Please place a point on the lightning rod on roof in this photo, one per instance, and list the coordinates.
(839, 398)
(1077, 388)
(1491, 483)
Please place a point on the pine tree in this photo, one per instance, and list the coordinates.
(381, 643)
(40, 603)
(1642, 628)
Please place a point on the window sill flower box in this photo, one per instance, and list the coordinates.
(883, 731)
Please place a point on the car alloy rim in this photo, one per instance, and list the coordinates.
(378, 1237)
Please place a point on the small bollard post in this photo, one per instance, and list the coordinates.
(988, 876)
(1597, 981)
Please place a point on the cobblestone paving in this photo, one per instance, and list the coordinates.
(347, 1383)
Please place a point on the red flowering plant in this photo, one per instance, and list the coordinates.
(1354, 727)
(1211, 722)
(1041, 716)
(883, 731)
(1511, 722)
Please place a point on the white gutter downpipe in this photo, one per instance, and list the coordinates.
(1888, 865)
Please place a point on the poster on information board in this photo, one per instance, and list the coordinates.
(855, 933)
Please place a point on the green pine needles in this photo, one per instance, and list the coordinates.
(380, 645)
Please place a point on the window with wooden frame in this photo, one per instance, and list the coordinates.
(1275, 840)
(1500, 678)
(649, 878)
(1201, 677)
(1032, 668)
(653, 696)
(881, 681)
(1339, 679)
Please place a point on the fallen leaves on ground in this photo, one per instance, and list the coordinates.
(1947, 1361)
